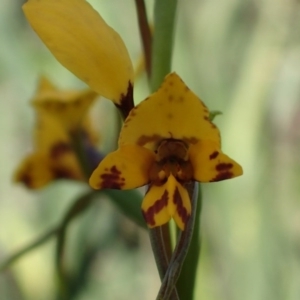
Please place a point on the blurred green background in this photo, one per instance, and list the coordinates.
(240, 57)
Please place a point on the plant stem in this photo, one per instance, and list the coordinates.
(36, 243)
(145, 33)
(181, 250)
(77, 139)
(187, 278)
(162, 47)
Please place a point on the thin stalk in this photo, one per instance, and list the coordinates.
(180, 252)
(80, 151)
(162, 46)
(163, 36)
(145, 33)
(187, 278)
(32, 245)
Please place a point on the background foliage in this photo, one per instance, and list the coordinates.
(240, 57)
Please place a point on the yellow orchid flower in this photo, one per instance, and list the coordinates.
(166, 141)
(58, 114)
(81, 41)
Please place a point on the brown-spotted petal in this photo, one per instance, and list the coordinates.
(126, 168)
(170, 200)
(210, 164)
(34, 171)
(49, 134)
(174, 111)
(69, 108)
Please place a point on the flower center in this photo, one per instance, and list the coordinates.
(171, 158)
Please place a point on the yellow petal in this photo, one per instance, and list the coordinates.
(182, 203)
(34, 171)
(49, 133)
(126, 168)
(155, 206)
(68, 107)
(174, 111)
(39, 169)
(167, 201)
(81, 41)
(210, 164)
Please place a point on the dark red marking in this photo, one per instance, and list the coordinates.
(27, 180)
(155, 209)
(59, 149)
(63, 173)
(181, 210)
(112, 179)
(224, 167)
(214, 155)
(222, 176)
(126, 101)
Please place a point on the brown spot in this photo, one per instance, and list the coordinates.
(59, 149)
(64, 173)
(222, 176)
(181, 210)
(155, 209)
(27, 180)
(205, 118)
(170, 98)
(214, 155)
(171, 83)
(76, 102)
(170, 116)
(181, 99)
(126, 101)
(62, 105)
(223, 167)
(112, 179)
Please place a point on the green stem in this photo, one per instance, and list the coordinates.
(130, 208)
(161, 253)
(162, 47)
(78, 146)
(36, 243)
(161, 246)
(187, 278)
(145, 33)
(180, 252)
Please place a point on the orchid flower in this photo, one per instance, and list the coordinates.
(166, 141)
